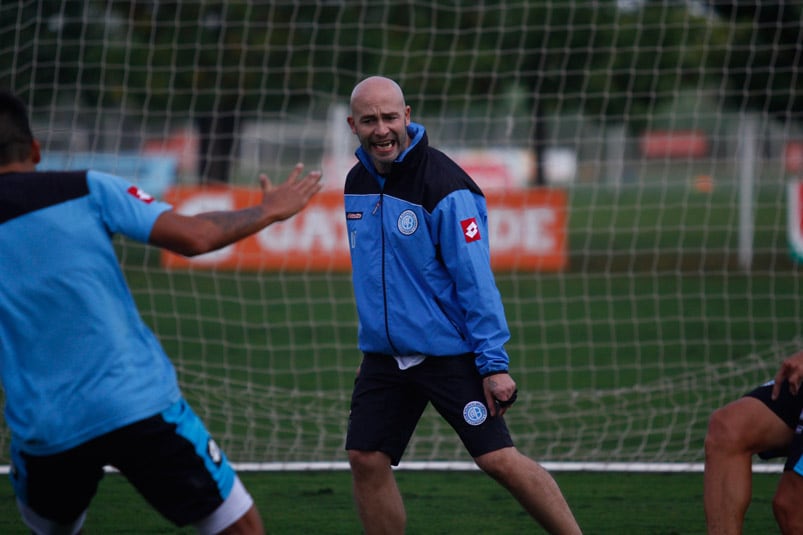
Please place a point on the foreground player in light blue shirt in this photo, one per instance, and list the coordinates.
(86, 382)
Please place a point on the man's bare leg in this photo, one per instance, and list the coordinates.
(533, 487)
(379, 502)
(786, 504)
(248, 524)
(736, 432)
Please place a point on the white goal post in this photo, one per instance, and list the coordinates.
(638, 179)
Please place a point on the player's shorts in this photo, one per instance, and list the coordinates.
(170, 458)
(788, 408)
(387, 403)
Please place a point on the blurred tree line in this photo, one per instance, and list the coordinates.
(219, 62)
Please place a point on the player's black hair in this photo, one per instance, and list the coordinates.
(15, 129)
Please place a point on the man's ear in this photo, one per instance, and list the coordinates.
(36, 152)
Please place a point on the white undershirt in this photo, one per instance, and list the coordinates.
(408, 361)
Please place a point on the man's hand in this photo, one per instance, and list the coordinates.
(289, 197)
(791, 370)
(500, 392)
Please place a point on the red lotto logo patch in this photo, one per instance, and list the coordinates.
(471, 231)
(139, 194)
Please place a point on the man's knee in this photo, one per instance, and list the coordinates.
(720, 434)
(746, 426)
(500, 462)
(734, 429)
(362, 462)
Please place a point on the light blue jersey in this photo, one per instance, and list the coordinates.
(76, 359)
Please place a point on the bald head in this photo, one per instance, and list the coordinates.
(376, 85)
(379, 118)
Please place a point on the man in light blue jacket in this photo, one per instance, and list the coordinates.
(432, 326)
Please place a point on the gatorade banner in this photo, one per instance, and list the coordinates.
(795, 219)
(527, 232)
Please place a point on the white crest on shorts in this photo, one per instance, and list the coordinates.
(214, 451)
(474, 413)
(407, 222)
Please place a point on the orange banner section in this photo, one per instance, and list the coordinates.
(527, 232)
(528, 229)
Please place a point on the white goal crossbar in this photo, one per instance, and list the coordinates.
(457, 466)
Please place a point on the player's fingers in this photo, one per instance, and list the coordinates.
(490, 402)
(265, 182)
(791, 375)
(312, 182)
(505, 403)
(295, 173)
(794, 383)
(776, 389)
(780, 377)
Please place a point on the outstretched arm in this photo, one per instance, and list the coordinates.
(208, 231)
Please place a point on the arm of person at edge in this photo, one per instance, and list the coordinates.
(791, 370)
(191, 235)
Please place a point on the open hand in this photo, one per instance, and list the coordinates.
(289, 197)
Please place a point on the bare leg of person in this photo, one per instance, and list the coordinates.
(533, 487)
(786, 504)
(379, 502)
(248, 524)
(736, 432)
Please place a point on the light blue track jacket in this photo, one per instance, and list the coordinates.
(421, 259)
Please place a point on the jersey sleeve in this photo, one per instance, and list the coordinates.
(125, 208)
(462, 223)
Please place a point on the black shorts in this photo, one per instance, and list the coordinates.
(169, 458)
(387, 404)
(788, 408)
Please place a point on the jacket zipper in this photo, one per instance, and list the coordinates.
(379, 208)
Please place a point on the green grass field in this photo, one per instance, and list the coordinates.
(442, 503)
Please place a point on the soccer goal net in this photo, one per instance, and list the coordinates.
(641, 160)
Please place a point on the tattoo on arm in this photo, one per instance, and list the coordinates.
(237, 222)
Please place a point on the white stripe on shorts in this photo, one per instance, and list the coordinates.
(236, 505)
